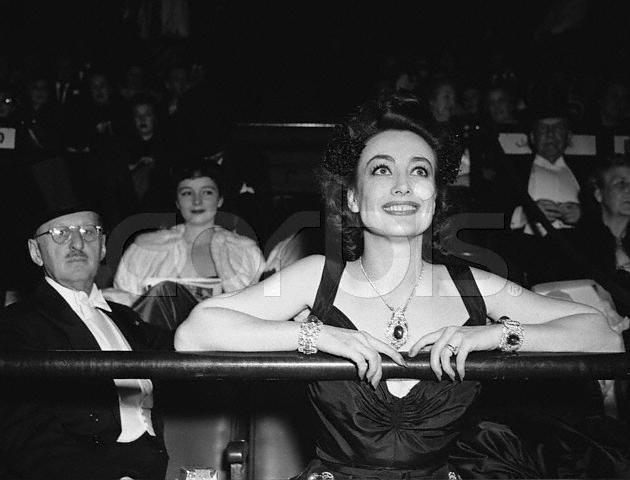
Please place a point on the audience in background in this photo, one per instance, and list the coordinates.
(500, 106)
(42, 117)
(149, 157)
(600, 235)
(125, 158)
(442, 100)
(553, 181)
(549, 177)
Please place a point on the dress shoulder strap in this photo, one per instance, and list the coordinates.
(328, 285)
(471, 296)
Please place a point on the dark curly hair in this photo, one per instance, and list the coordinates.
(197, 168)
(337, 173)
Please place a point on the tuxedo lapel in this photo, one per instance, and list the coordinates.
(56, 310)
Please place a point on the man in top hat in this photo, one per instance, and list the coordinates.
(74, 428)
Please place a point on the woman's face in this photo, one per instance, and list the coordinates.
(395, 186)
(614, 196)
(198, 200)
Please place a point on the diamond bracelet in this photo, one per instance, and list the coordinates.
(308, 335)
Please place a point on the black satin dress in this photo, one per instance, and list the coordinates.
(433, 432)
(362, 432)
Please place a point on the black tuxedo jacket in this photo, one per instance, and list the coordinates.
(55, 428)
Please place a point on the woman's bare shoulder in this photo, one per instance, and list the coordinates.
(308, 268)
(488, 283)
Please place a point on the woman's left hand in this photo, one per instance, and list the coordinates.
(458, 341)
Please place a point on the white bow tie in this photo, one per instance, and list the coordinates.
(93, 301)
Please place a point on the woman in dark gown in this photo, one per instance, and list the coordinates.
(376, 292)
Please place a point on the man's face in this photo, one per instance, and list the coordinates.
(74, 263)
(550, 138)
(144, 120)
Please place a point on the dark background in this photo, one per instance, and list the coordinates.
(300, 61)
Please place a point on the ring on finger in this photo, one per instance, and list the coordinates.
(454, 350)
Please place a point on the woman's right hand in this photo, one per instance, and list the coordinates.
(360, 347)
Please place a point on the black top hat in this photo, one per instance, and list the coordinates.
(50, 213)
(56, 195)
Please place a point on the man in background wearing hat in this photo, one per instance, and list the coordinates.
(553, 181)
(77, 429)
(548, 177)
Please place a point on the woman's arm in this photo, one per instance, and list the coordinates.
(250, 320)
(549, 325)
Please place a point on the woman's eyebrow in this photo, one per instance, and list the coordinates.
(380, 156)
(424, 160)
(389, 158)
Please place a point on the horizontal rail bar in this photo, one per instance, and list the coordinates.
(294, 366)
(286, 125)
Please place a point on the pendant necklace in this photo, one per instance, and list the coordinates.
(396, 329)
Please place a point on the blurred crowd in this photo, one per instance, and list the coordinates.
(113, 134)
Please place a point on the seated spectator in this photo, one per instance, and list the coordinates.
(101, 113)
(148, 160)
(610, 115)
(196, 248)
(67, 81)
(553, 182)
(442, 98)
(500, 105)
(134, 82)
(41, 116)
(177, 83)
(605, 226)
(101, 429)
(614, 106)
(470, 109)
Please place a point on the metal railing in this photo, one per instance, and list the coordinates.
(295, 366)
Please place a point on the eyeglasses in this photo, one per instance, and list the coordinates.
(62, 235)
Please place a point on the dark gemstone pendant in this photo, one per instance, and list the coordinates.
(396, 330)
